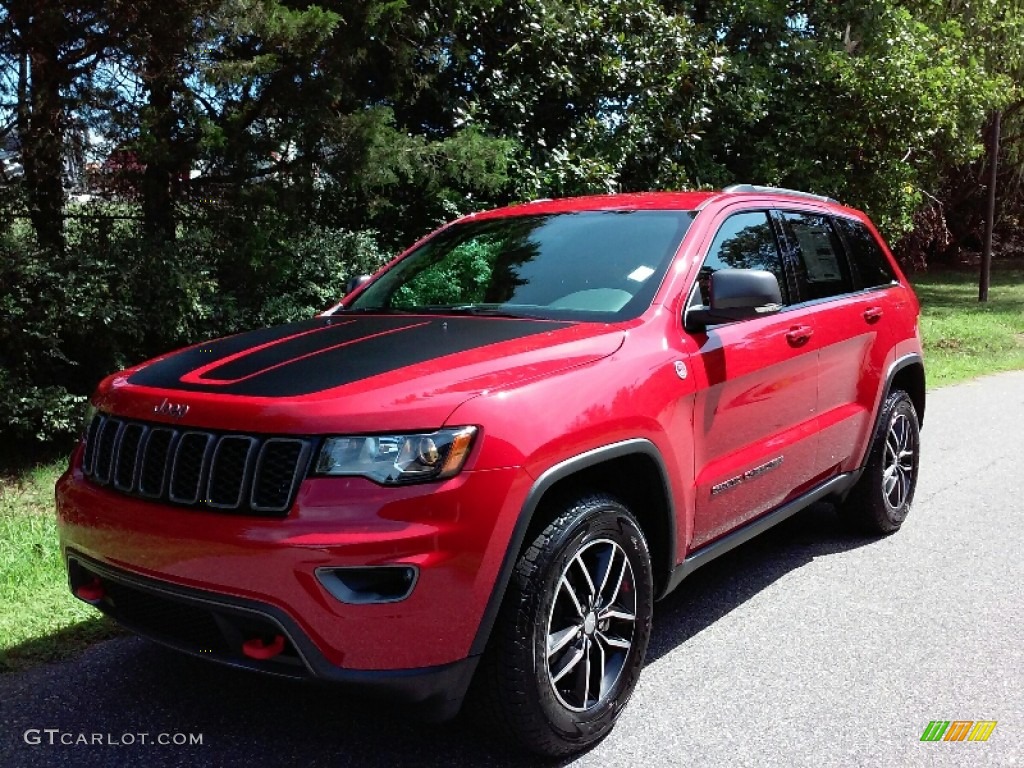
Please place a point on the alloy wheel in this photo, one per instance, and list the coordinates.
(591, 625)
(898, 462)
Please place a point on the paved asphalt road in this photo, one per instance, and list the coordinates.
(808, 647)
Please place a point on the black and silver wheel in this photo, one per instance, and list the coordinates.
(572, 634)
(880, 501)
(591, 625)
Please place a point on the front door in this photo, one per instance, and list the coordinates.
(755, 421)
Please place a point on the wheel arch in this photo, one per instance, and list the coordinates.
(906, 373)
(634, 472)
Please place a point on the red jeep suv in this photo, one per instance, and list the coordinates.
(479, 471)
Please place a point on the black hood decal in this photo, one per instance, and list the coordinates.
(313, 355)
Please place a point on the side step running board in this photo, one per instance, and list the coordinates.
(709, 552)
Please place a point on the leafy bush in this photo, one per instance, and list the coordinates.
(115, 298)
(313, 269)
(33, 299)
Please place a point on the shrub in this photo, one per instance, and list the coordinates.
(114, 298)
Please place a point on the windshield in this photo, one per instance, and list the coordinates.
(591, 265)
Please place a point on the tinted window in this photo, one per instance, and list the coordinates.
(599, 265)
(745, 241)
(872, 265)
(820, 264)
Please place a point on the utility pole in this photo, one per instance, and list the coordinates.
(990, 214)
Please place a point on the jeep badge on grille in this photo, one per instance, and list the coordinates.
(167, 408)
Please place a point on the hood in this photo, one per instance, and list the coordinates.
(360, 373)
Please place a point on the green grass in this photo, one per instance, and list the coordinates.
(39, 619)
(964, 338)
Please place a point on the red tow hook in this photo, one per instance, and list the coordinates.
(257, 649)
(92, 592)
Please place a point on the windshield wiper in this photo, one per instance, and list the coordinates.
(480, 310)
(373, 311)
(472, 310)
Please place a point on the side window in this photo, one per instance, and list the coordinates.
(744, 241)
(872, 265)
(820, 264)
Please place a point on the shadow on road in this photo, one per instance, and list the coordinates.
(59, 645)
(729, 581)
(128, 685)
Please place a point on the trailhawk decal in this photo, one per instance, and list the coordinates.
(749, 474)
(314, 355)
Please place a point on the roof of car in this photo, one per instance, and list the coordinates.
(638, 201)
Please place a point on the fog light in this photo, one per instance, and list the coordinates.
(365, 585)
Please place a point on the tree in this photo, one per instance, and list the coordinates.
(158, 44)
(865, 102)
(57, 47)
(600, 97)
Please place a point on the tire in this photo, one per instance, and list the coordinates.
(881, 499)
(544, 700)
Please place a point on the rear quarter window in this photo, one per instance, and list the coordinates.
(869, 261)
(820, 262)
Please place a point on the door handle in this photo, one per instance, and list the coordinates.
(798, 335)
(873, 314)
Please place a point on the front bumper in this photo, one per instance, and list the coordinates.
(216, 627)
(255, 572)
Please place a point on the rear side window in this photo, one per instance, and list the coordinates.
(872, 266)
(820, 264)
(744, 241)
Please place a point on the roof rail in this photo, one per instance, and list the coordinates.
(753, 188)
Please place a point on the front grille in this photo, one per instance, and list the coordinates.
(195, 468)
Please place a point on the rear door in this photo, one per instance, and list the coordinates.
(755, 427)
(854, 312)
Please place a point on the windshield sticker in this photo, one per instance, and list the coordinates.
(640, 274)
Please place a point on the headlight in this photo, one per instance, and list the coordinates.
(395, 459)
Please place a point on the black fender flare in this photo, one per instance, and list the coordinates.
(895, 367)
(542, 485)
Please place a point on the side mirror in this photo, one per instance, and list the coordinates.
(737, 294)
(355, 282)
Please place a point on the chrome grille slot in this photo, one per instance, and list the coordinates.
(230, 470)
(250, 474)
(277, 473)
(126, 463)
(90, 443)
(156, 457)
(106, 446)
(190, 462)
